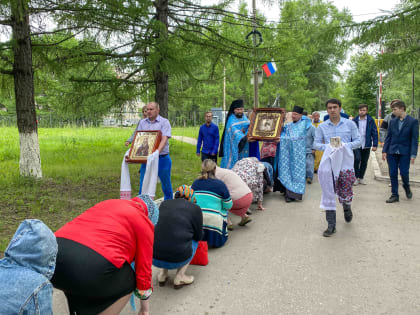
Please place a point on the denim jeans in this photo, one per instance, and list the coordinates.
(310, 159)
(164, 173)
(395, 162)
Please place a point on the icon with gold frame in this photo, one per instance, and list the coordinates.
(266, 124)
(144, 144)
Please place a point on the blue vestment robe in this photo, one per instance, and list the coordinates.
(235, 129)
(291, 155)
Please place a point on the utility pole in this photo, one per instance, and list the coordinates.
(412, 93)
(254, 40)
(224, 88)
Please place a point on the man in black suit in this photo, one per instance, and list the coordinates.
(400, 148)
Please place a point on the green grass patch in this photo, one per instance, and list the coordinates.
(191, 132)
(81, 167)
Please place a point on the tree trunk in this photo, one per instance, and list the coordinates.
(161, 77)
(30, 159)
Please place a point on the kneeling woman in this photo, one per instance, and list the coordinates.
(95, 251)
(214, 200)
(177, 234)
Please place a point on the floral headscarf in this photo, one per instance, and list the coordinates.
(152, 208)
(186, 192)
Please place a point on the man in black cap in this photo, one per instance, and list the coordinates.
(234, 145)
(292, 156)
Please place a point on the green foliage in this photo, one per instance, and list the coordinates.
(75, 76)
(397, 34)
(72, 85)
(397, 83)
(361, 84)
(307, 45)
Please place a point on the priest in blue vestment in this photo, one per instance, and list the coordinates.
(234, 145)
(291, 156)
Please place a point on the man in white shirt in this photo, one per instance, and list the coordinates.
(368, 138)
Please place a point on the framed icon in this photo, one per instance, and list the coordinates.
(266, 124)
(144, 144)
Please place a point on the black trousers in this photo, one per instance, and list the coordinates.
(361, 157)
(205, 156)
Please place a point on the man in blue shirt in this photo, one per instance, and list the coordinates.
(338, 126)
(400, 148)
(208, 137)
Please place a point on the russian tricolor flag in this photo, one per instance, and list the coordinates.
(269, 68)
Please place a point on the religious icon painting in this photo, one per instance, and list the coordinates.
(266, 124)
(144, 144)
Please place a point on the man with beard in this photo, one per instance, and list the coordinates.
(234, 145)
(291, 156)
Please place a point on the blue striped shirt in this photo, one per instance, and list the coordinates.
(345, 129)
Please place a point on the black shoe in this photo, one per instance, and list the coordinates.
(392, 199)
(330, 231)
(288, 199)
(309, 180)
(348, 215)
(408, 193)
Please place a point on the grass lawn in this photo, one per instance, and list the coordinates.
(191, 132)
(81, 166)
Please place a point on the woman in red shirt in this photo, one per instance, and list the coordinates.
(95, 251)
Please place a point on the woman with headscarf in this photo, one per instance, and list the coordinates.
(95, 251)
(177, 233)
(214, 200)
(251, 171)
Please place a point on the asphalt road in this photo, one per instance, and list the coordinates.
(280, 263)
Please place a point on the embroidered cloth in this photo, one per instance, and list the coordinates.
(336, 176)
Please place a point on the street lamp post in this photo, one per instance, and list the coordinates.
(254, 40)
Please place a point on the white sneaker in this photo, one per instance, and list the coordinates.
(362, 181)
(356, 182)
